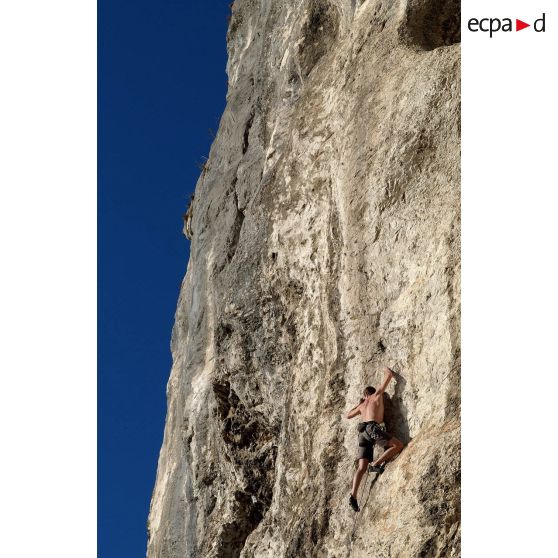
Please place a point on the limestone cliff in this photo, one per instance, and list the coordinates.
(325, 244)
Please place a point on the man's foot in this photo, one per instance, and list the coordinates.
(376, 468)
(353, 503)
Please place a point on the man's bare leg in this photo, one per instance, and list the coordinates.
(359, 473)
(394, 447)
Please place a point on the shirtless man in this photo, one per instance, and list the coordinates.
(371, 407)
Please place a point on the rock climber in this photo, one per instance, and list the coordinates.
(371, 408)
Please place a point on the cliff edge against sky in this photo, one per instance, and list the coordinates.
(325, 244)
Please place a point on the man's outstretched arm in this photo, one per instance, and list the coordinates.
(354, 411)
(387, 379)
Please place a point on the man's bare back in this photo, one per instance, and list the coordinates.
(372, 408)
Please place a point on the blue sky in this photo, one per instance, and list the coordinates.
(161, 89)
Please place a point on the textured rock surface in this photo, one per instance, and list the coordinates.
(325, 243)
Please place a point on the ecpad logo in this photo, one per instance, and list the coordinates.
(493, 25)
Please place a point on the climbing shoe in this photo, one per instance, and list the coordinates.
(353, 503)
(376, 469)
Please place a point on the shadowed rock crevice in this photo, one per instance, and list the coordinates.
(396, 413)
(248, 445)
(319, 32)
(233, 534)
(246, 136)
(236, 228)
(433, 23)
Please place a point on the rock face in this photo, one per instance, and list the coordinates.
(325, 244)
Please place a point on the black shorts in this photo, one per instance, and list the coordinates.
(370, 433)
